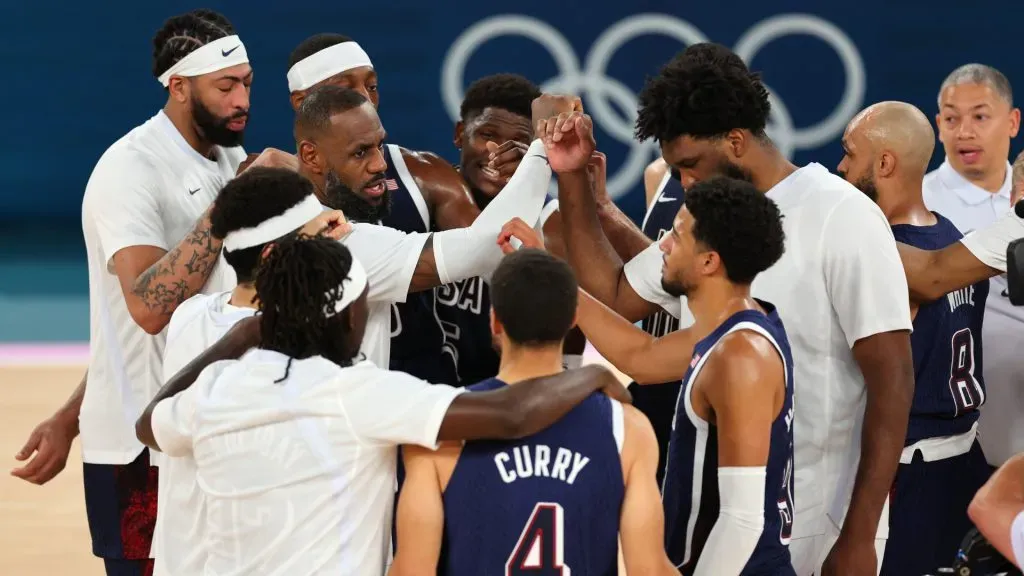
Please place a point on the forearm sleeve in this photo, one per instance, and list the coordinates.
(740, 522)
(467, 252)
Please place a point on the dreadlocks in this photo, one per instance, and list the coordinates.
(296, 282)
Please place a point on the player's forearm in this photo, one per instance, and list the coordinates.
(68, 413)
(469, 252)
(174, 278)
(998, 503)
(240, 338)
(888, 369)
(597, 265)
(626, 239)
(628, 348)
(922, 274)
(540, 402)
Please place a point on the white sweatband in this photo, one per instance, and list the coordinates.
(350, 289)
(273, 228)
(572, 361)
(467, 252)
(740, 521)
(1017, 539)
(328, 62)
(217, 55)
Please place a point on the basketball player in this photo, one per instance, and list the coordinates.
(147, 235)
(259, 197)
(295, 443)
(888, 147)
(664, 195)
(495, 110)
(340, 142)
(838, 286)
(733, 421)
(539, 491)
(420, 192)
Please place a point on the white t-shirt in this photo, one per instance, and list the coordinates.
(197, 324)
(148, 189)
(299, 474)
(976, 211)
(839, 280)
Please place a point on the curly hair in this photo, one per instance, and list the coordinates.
(299, 279)
(509, 92)
(255, 196)
(704, 92)
(743, 225)
(181, 35)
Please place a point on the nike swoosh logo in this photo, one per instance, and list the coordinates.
(193, 192)
(226, 53)
(665, 199)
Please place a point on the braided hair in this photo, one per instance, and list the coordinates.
(295, 283)
(182, 34)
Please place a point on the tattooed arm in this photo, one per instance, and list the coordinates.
(154, 281)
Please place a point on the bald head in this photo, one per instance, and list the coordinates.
(900, 129)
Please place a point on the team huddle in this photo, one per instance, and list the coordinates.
(359, 359)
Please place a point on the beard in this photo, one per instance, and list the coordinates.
(676, 288)
(867, 186)
(214, 129)
(340, 197)
(734, 171)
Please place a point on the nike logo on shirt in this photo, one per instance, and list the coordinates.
(665, 199)
(225, 53)
(193, 192)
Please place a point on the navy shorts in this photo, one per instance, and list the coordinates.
(658, 403)
(928, 512)
(120, 501)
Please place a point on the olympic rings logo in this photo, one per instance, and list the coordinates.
(601, 90)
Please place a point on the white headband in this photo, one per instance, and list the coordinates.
(217, 55)
(273, 228)
(326, 63)
(350, 289)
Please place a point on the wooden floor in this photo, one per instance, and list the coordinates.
(43, 528)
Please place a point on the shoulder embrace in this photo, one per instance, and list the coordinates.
(431, 169)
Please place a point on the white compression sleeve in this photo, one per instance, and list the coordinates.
(740, 522)
(468, 252)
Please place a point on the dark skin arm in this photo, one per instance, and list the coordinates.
(887, 364)
(240, 338)
(622, 233)
(526, 408)
(931, 274)
(51, 441)
(447, 195)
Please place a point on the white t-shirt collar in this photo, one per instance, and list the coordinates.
(172, 132)
(968, 191)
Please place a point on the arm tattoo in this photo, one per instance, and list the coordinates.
(167, 283)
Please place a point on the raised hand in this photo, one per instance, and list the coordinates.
(516, 228)
(568, 140)
(548, 106)
(597, 168)
(504, 160)
(332, 224)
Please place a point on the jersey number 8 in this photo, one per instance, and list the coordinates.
(540, 549)
(966, 391)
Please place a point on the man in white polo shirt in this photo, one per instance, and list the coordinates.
(838, 289)
(973, 189)
(149, 246)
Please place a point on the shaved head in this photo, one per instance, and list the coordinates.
(900, 129)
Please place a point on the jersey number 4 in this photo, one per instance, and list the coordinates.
(966, 391)
(540, 549)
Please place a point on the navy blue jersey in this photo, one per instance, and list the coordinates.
(541, 503)
(464, 308)
(946, 342)
(417, 341)
(657, 222)
(690, 488)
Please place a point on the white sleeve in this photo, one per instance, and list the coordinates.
(1017, 539)
(739, 524)
(989, 244)
(467, 252)
(389, 257)
(864, 276)
(643, 273)
(124, 205)
(173, 419)
(396, 408)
